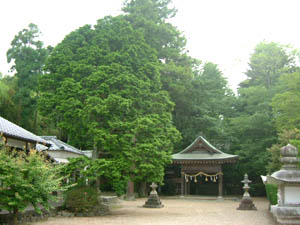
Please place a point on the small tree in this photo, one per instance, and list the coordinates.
(26, 179)
(91, 170)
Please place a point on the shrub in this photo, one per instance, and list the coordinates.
(81, 199)
(27, 179)
(257, 189)
(271, 190)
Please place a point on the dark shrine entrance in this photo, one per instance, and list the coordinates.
(201, 168)
(202, 187)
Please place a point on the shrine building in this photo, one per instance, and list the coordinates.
(201, 162)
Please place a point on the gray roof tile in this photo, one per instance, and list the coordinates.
(12, 130)
(58, 145)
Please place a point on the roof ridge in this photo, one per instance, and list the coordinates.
(11, 129)
(215, 150)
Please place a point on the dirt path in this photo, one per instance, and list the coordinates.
(176, 212)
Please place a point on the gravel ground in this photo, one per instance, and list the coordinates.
(176, 212)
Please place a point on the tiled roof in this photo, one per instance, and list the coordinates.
(12, 130)
(58, 145)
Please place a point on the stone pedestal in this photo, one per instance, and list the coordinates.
(287, 210)
(246, 202)
(153, 200)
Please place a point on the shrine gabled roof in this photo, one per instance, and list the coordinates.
(202, 150)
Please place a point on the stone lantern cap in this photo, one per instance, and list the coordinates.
(289, 173)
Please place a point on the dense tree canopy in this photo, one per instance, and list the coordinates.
(104, 87)
(190, 85)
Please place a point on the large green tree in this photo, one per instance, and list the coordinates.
(253, 128)
(267, 63)
(27, 55)
(104, 91)
(194, 88)
(207, 107)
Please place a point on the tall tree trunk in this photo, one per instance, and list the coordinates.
(130, 185)
(130, 191)
(14, 217)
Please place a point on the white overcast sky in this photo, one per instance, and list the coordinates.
(224, 32)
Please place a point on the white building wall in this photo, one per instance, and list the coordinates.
(15, 143)
(63, 154)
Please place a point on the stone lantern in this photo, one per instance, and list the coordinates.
(153, 200)
(287, 210)
(246, 203)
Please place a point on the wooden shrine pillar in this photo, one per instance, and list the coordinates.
(220, 186)
(185, 187)
(182, 185)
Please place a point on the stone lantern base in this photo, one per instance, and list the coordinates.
(286, 215)
(153, 202)
(246, 204)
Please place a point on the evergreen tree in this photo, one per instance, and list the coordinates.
(253, 127)
(181, 75)
(104, 87)
(28, 56)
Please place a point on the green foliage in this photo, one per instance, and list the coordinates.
(85, 168)
(27, 179)
(81, 199)
(104, 87)
(28, 57)
(150, 18)
(267, 63)
(201, 96)
(286, 102)
(252, 128)
(9, 109)
(291, 136)
(271, 190)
